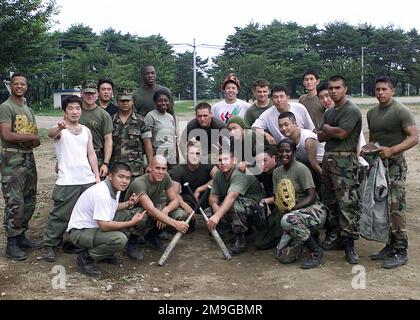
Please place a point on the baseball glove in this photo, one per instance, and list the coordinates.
(284, 197)
(259, 217)
(23, 126)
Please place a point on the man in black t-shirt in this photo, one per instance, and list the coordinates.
(206, 129)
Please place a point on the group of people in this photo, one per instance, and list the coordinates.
(121, 181)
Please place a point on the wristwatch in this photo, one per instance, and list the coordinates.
(106, 163)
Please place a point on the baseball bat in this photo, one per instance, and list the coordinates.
(214, 232)
(178, 235)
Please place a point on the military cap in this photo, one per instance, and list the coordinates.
(125, 94)
(89, 86)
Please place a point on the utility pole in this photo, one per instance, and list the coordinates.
(362, 84)
(62, 71)
(194, 73)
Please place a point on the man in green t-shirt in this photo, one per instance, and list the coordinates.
(143, 96)
(19, 136)
(393, 127)
(100, 124)
(157, 196)
(261, 91)
(234, 196)
(310, 100)
(340, 128)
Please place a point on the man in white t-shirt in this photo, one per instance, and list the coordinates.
(231, 106)
(307, 145)
(92, 226)
(77, 171)
(268, 124)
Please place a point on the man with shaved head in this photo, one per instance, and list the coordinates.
(158, 197)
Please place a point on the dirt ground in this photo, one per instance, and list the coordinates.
(197, 270)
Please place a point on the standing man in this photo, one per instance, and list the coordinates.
(261, 90)
(310, 99)
(340, 128)
(100, 124)
(78, 171)
(393, 127)
(206, 129)
(268, 123)
(143, 96)
(19, 136)
(131, 138)
(230, 106)
(105, 92)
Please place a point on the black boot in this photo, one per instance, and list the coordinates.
(386, 252)
(25, 243)
(133, 250)
(315, 254)
(152, 238)
(332, 241)
(49, 255)
(398, 259)
(239, 246)
(351, 256)
(85, 262)
(13, 250)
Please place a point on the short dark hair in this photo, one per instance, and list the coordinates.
(143, 68)
(270, 150)
(287, 114)
(203, 105)
(312, 72)
(160, 92)
(102, 81)
(385, 79)
(71, 99)
(118, 166)
(322, 87)
(289, 141)
(338, 78)
(260, 83)
(17, 74)
(280, 88)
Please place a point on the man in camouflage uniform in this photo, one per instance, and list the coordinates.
(393, 127)
(232, 200)
(340, 128)
(131, 138)
(100, 124)
(19, 176)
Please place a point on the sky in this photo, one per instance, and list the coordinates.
(210, 22)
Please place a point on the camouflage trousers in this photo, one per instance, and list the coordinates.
(65, 198)
(148, 222)
(100, 244)
(237, 217)
(19, 185)
(270, 237)
(397, 169)
(299, 223)
(340, 192)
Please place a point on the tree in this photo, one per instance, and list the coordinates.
(22, 24)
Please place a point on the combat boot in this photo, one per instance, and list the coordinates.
(332, 241)
(315, 254)
(239, 245)
(13, 251)
(351, 256)
(398, 259)
(114, 260)
(49, 254)
(386, 252)
(153, 240)
(133, 250)
(85, 262)
(25, 243)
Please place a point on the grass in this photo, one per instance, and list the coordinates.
(181, 107)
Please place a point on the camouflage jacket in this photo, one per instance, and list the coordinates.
(127, 139)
